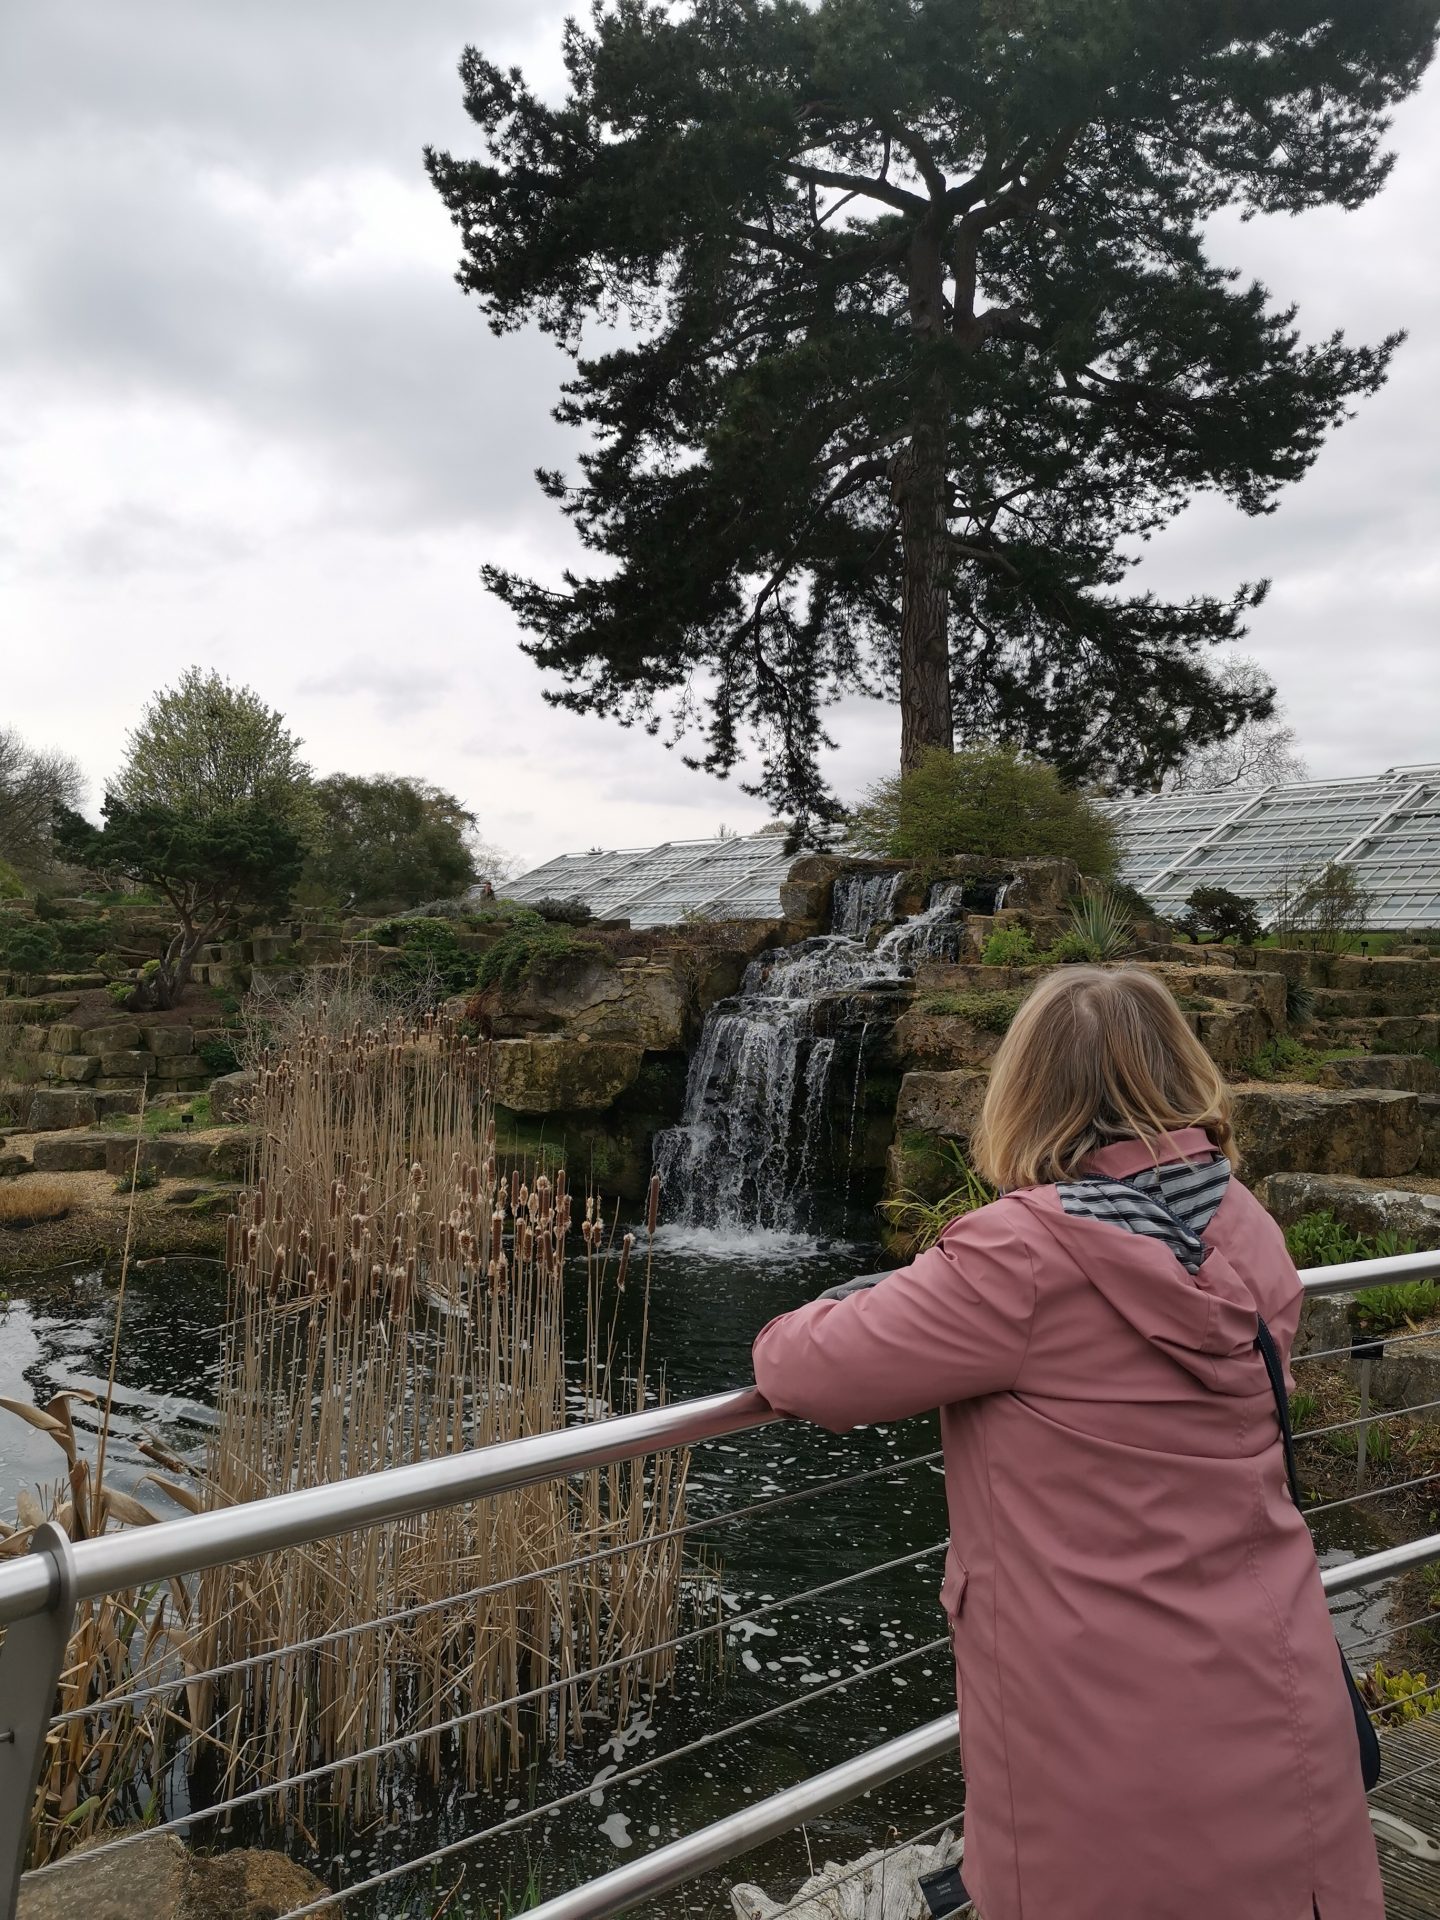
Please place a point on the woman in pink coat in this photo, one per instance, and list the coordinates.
(1154, 1722)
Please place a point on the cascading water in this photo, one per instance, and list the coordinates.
(748, 1151)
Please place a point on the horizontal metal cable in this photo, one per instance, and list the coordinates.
(583, 1793)
(954, 1824)
(1371, 1493)
(731, 1517)
(1362, 1340)
(1431, 1619)
(1376, 1418)
(1403, 1700)
(415, 1734)
(1399, 1779)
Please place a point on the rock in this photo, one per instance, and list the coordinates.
(66, 1039)
(640, 1002)
(13, 1164)
(943, 1103)
(121, 1036)
(181, 1068)
(155, 1879)
(885, 1882)
(1232, 1035)
(71, 1153)
(133, 1064)
(1365, 1206)
(1407, 1072)
(79, 1067)
(1429, 1165)
(52, 1108)
(211, 1155)
(806, 891)
(1369, 1133)
(555, 1073)
(231, 1095)
(122, 1100)
(167, 1040)
(939, 1041)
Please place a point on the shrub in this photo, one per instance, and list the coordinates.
(512, 956)
(218, 1056)
(122, 992)
(28, 947)
(1397, 1697)
(990, 802)
(565, 913)
(1321, 1240)
(1223, 915)
(1299, 1003)
(1010, 947)
(137, 1180)
(1071, 949)
(918, 1223)
(1334, 906)
(27, 1202)
(430, 953)
(12, 887)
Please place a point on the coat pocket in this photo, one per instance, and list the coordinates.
(952, 1591)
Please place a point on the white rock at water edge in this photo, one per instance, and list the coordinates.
(878, 1886)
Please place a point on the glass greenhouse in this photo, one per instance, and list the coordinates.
(1387, 828)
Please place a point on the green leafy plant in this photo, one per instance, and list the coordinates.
(992, 1011)
(28, 947)
(1101, 929)
(430, 953)
(1010, 947)
(137, 1180)
(917, 1223)
(1303, 1408)
(1217, 913)
(990, 802)
(1286, 1058)
(568, 912)
(1299, 1003)
(1320, 1239)
(511, 958)
(1397, 1697)
(218, 1057)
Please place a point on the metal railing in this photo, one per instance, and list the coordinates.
(40, 1591)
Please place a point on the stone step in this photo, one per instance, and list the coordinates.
(71, 1152)
(1365, 1206)
(1401, 1072)
(217, 1154)
(1371, 1132)
(1389, 1033)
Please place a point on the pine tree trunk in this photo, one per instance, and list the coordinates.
(920, 480)
(926, 716)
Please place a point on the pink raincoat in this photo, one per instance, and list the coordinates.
(1153, 1722)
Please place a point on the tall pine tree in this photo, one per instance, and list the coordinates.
(914, 336)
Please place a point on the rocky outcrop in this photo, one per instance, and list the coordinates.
(213, 1154)
(645, 1003)
(70, 1152)
(1403, 1072)
(156, 1879)
(1365, 1206)
(564, 1073)
(52, 1108)
(231, 1096)
(1373, 1133)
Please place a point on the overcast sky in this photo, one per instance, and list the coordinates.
(247, 420)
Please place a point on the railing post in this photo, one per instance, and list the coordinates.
(31, 1661)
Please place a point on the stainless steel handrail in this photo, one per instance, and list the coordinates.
(137, 1556)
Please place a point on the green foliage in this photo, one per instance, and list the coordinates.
(1397, 1697)
(218, 1057)
(565, 913)
(916, 314)
(161, 1119)
(1303, 1408)
(991, 802)
(1320, 1239)
(1286, 1058)
(382, 844)
(1010, 947)
(27, 947)
(12, 887)
(210, 864)
(511, 958)
(1101, 929)
(137, 1180)
(206, 748)
(1218, 913)
(917, 1223)
(431, 956)
(991, 1011)
(1299, 1003)
(122, 992)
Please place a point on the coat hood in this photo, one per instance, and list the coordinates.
(1206, 1321)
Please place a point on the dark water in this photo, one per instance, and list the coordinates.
(708, 1300)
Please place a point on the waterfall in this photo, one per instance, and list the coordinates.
(751, 1144)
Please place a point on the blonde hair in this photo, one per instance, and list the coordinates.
(1093, 1056)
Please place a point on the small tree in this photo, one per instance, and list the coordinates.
(206, 747)
(1334, 906)
(1222, 915)
(240, 860)
(383, 844)
(33, 784)
(989, 801)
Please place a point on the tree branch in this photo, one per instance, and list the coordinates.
(881, 189)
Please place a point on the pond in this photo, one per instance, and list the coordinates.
(831, 1675)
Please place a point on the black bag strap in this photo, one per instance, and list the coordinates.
(1270, 1354)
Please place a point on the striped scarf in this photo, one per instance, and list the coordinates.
(1173, 1203)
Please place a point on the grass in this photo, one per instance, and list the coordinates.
(917, 1223)
(1286, 1058)
(26, 1203)
(164, 1119)
(1320, 1239)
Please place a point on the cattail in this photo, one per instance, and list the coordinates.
(542, 1198)
(357, 1232)
(624, 1273)
(332, 1270)
(232, 1241)
(652, 1212)
(277, 1272)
